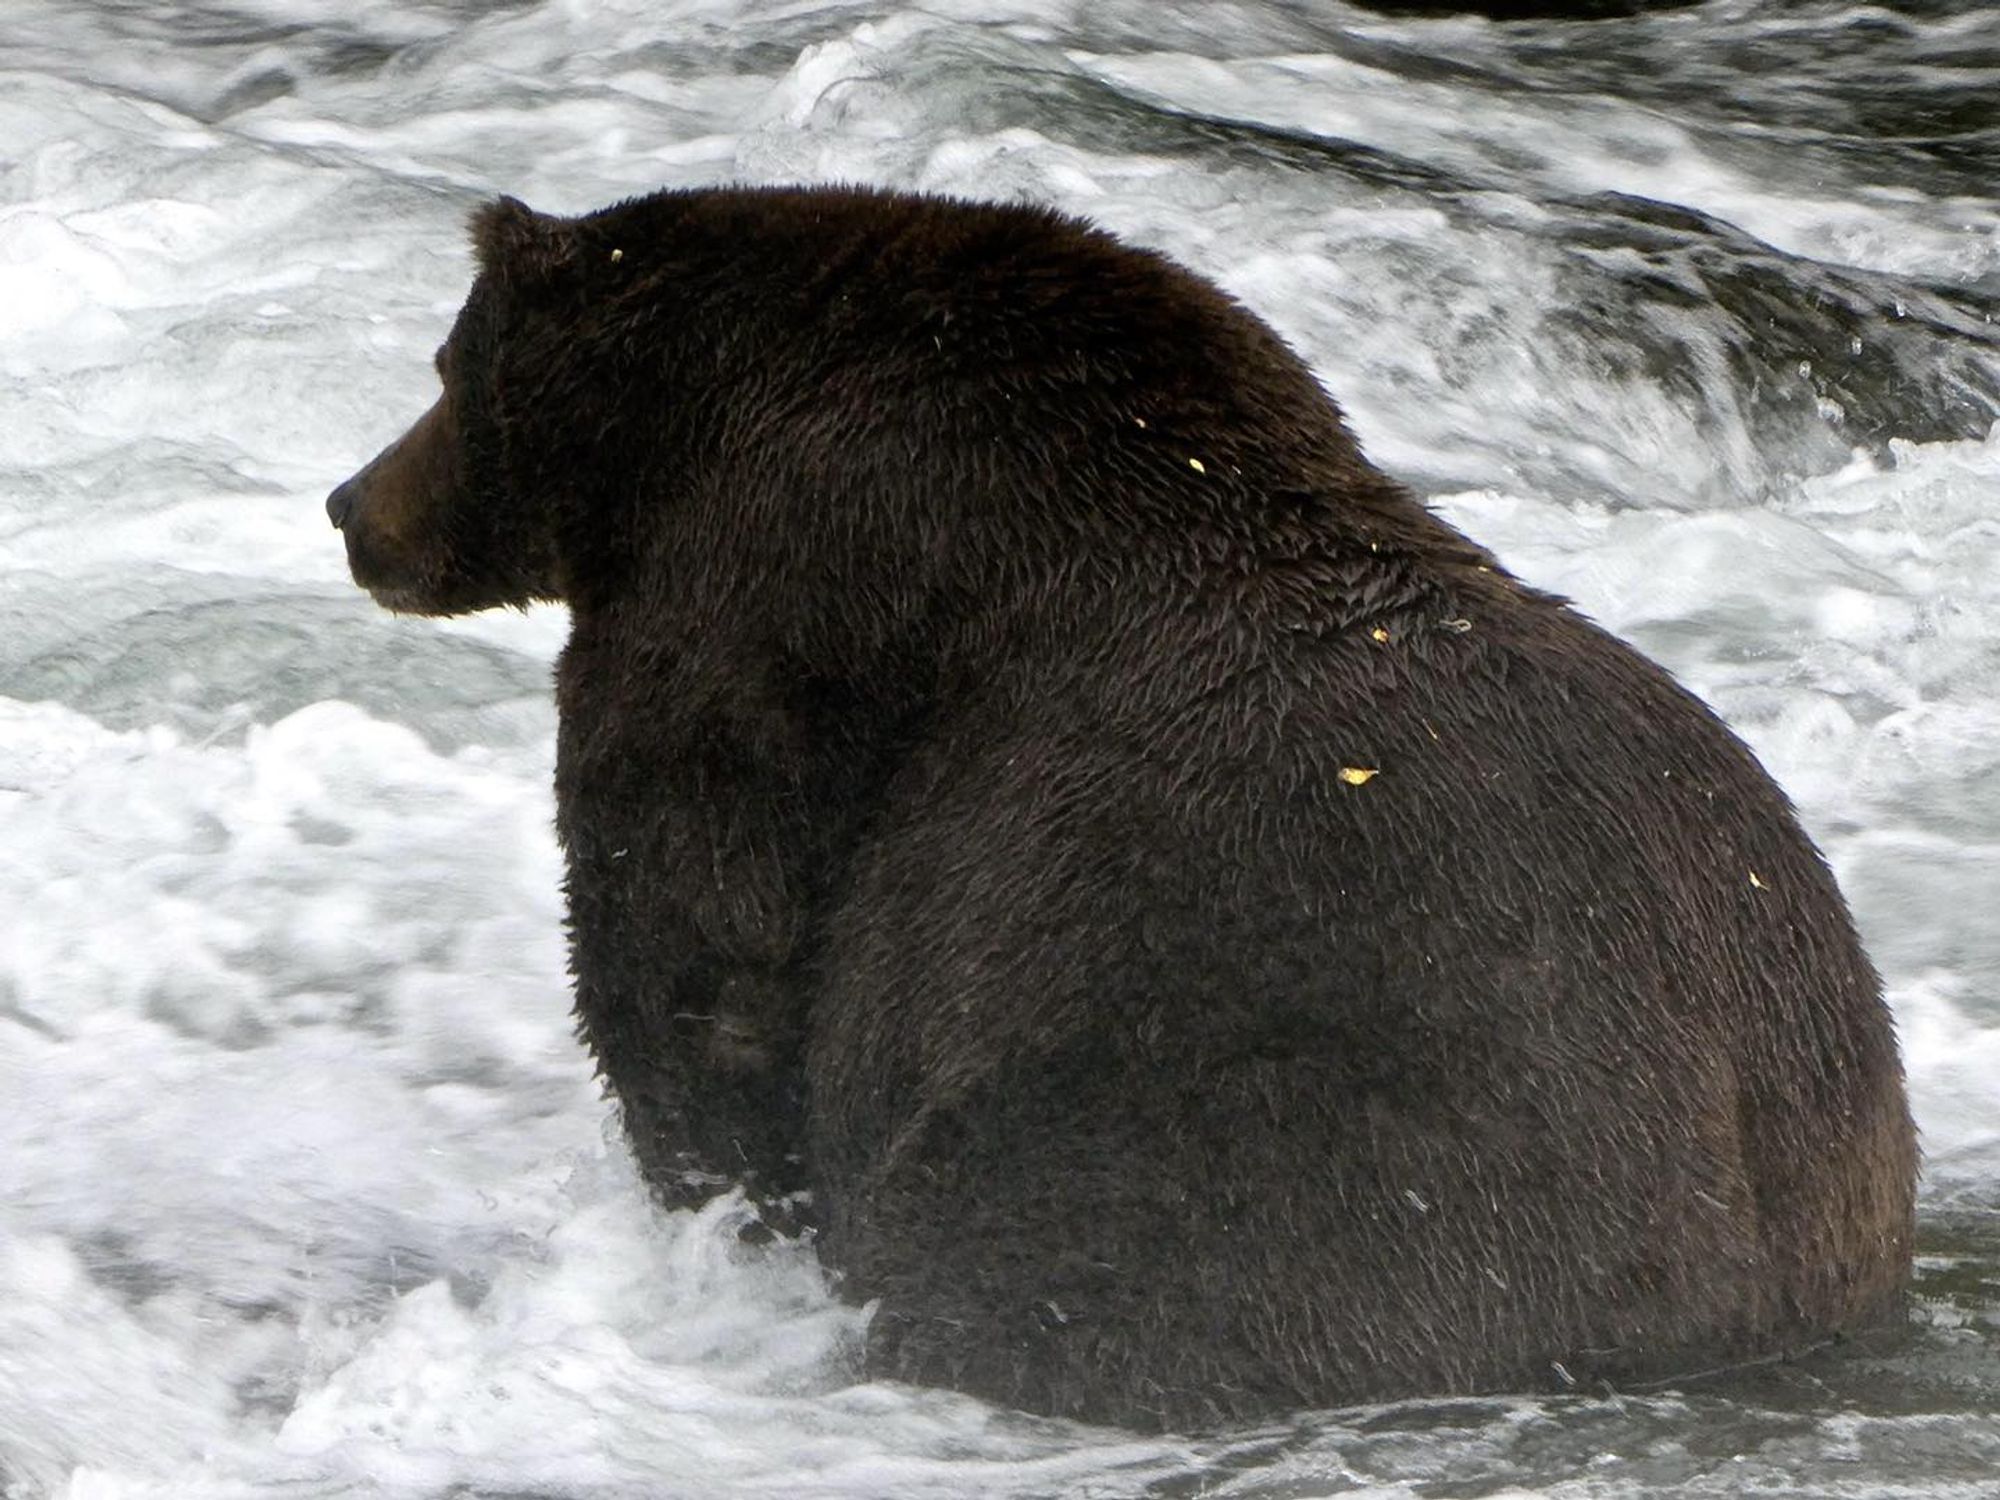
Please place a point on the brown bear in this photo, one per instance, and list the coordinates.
(1208, 940)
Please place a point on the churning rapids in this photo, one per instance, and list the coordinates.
(305, 1188)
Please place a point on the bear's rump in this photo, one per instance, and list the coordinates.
(1167, 1094)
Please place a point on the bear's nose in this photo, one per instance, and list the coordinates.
(340, 504)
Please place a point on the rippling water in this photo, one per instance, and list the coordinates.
(305, 1189)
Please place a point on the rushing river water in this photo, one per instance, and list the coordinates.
(305, 1188)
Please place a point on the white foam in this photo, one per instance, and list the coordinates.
(1500, 132)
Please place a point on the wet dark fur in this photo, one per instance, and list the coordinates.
(981, 633)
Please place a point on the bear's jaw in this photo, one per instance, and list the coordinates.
(401, 600)
(395, 583)
(405, 597)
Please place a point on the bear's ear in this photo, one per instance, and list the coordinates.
(515, 244)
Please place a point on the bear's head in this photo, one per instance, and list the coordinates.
(443, 520)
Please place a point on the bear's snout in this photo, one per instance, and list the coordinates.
(414, 537)
(340, 504)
